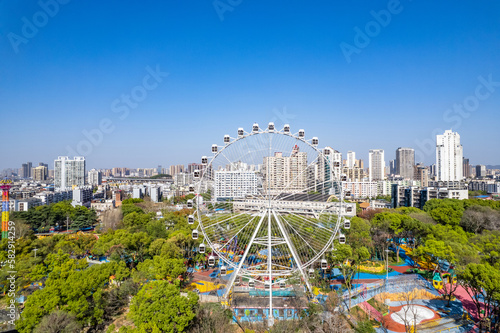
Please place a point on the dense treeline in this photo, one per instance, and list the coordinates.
(149, 258)
(42, 218)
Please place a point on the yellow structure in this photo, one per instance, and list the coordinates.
(205, 286)
(402, 296)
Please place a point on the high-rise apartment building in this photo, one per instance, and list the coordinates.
(155, 193)
(353, 175)
(422, 174)
(351, 159)
(40, 173)
(69, 172)
(359, 164)
(449, 157)
(466, 168)
(95, 177)
(234, 184)
(480, 171)
(285, 173)
(46, 169)
(175, 169)
(392, 167)
(405, 162)
(334, 158)
(376, 164)
(25, 170)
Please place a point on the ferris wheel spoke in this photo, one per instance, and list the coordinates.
(222, 153)
(242, 260)
(236, 234)
(225, 220)
(312, 239)
(311, 222)
(297, 233)
(304, 248)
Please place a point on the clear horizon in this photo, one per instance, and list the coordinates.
(134, 85)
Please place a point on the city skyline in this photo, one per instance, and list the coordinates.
(25, 170)
(197, 75)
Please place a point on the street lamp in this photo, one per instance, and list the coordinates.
(387, 263)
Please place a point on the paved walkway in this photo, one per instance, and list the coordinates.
(467, 302)
(371, 311)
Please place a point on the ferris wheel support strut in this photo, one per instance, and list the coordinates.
(270, 268)
(237, 270)
(294, 252)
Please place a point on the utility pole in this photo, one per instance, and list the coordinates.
(35, 249)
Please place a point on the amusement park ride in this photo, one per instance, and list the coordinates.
(5, 186)
(268, 205)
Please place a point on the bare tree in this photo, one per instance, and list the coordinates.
(22, 229)
(58, 322)
(410, 312)
(477, 218)
(111, 219)
(211, 318)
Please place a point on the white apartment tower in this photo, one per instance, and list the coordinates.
(235, 184)
(94, 177)
(351, 159)
(449, 157)
(69, 172)
(376, 164)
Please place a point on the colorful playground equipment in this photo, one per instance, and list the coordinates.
(206, 286)
(437, 282)
(450, 278)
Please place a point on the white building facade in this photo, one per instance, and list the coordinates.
(95, 177)
(351, 159)
(234, 184)
(449, 157)
(361, 189)
(376, 163)
(69, 172)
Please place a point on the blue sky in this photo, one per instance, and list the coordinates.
(263, 61)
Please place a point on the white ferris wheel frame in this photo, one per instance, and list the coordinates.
(238, 267)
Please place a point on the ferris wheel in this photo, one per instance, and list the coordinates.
(268, 205)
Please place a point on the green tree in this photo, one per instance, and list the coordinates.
(130, 208)
(364, 327)
(165, 248)
(348, 259)
(123, 245)
(445, 211)
(359, 233)
(70, 287)
(482, 283)
(441, 255)
(158, 306)
(488, 244)
(160, 268)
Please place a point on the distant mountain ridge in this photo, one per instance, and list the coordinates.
(493, 167)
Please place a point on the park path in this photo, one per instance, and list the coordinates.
(467, 302)
(371, 311)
